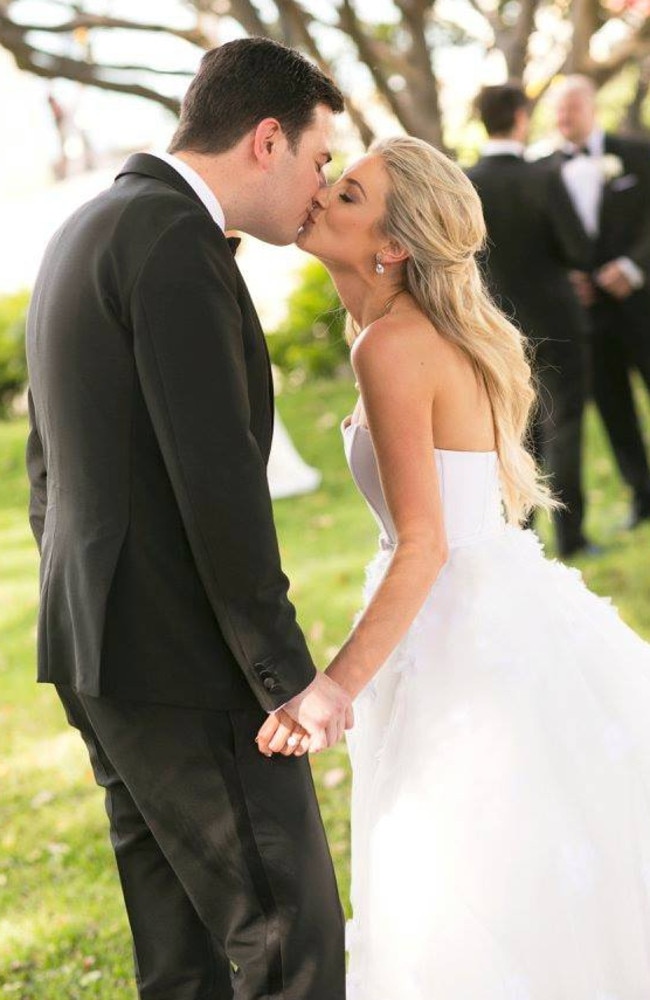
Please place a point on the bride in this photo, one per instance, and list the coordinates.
(501, 752)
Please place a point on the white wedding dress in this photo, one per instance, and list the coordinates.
(501, 774)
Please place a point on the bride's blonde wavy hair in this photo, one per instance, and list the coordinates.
(435, 214)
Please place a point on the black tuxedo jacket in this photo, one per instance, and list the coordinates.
(624, 222)
(151, 423)
(534, 237)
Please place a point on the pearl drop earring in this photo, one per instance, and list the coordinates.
(379, 267)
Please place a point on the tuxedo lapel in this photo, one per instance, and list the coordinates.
(610, 148)
(610, 145)
(556, 162)
(147, 165)
(250, 313)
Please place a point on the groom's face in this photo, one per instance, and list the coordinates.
(296, 179)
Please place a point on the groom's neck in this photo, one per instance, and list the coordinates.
(223, 174)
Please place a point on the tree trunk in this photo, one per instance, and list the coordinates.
(516, 49)
(584, 17)
(633, 122)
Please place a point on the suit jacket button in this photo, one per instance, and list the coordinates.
(269, 684)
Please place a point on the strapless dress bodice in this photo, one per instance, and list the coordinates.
(469, 487)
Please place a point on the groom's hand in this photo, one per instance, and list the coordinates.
(314, 720)
(324, 710)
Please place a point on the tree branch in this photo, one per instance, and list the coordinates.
(517, 51)
(633, 48)
(246, 14)
(50, 66)
(350, 25)
(89, 21)
(297, 22)
(156, 70)
(584, 17)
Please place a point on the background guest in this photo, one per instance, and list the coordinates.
(533, 240)
(608, 181)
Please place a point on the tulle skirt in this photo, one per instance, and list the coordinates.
(501, 792)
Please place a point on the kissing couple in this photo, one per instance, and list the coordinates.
(499, 738)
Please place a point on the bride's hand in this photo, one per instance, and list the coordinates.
(280, 734)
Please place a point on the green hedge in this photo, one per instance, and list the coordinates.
(311, 341)
(13, 364)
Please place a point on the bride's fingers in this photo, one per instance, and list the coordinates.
(302, 745)
(279, 740)
(266, 734)
(293, 742)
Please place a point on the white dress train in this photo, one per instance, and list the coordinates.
(501, 773)
(288, 474)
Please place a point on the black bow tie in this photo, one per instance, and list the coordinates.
(233, 243)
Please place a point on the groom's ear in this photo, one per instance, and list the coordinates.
(268, 140)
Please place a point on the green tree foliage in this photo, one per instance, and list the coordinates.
(13, 364)
(311, 340)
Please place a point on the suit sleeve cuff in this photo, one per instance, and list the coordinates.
(632, 272)
(280, 681)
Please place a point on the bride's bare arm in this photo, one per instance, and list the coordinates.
(395, 368)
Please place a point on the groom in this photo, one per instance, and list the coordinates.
(164, 619)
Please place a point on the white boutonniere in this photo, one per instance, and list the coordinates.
(611, 167)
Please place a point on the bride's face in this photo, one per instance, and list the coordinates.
(344, 225)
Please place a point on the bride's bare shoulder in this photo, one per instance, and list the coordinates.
(406, 339)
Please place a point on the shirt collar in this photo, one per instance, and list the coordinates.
(503, 147)
(197, 183)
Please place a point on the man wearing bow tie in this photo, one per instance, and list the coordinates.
(608, 181)
(164, 619)
(533, 240)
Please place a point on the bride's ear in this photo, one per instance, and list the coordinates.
(393, 253)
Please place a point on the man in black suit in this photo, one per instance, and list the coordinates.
(531, 245)
(608, 180)
(164, 619)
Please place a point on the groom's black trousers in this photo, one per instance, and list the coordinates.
(221, 852)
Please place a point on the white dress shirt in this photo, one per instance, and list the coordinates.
(197, 184)
(584, 180)
(503, 147)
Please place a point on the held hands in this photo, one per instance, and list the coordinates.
(613, 279)
(314, 720)
(610, 277)
(281, 734)
(583, 288)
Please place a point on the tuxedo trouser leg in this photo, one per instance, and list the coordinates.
(174, 956)
(561, 371)
(244, 836)
(613, 395)
(636, 337)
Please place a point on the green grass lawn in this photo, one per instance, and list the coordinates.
(63, 934)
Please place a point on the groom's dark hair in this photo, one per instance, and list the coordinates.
(498, 105)
(241, 83)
